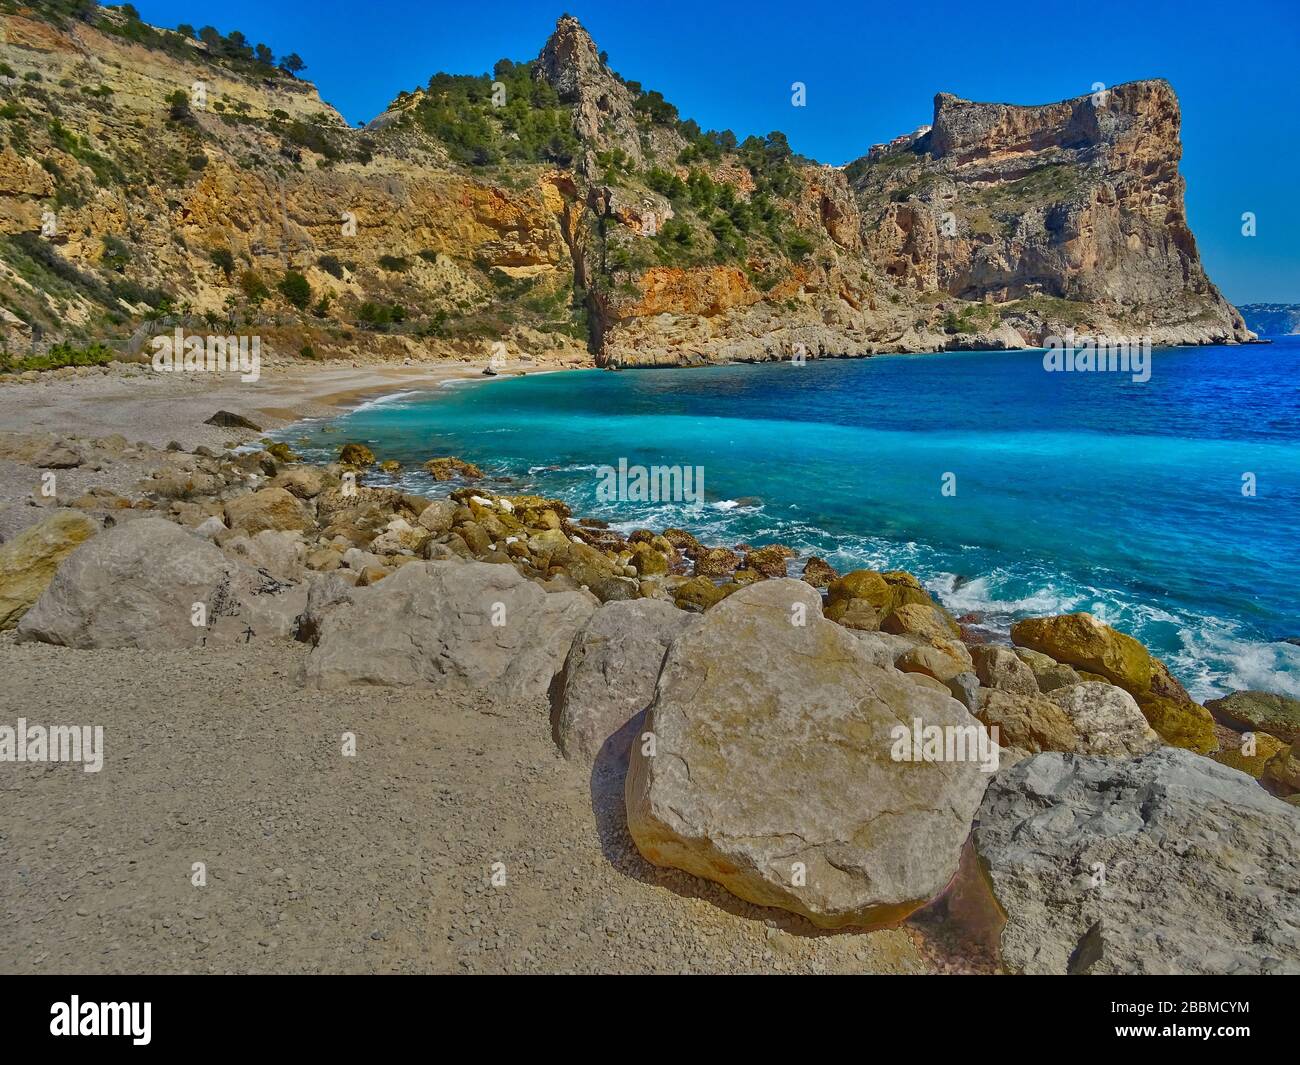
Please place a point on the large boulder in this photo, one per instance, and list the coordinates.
(464, 624)
(1107, 720)
(28, 561)
(1249, 711)
(1000, 667)
(277, 554)
(773, 768)
(884, 591)
(1026, 722)
(1169, 863)
(268, 508)
(610, 673)
(1081, 641)
(151, 584)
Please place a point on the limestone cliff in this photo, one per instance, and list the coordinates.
(563, 210)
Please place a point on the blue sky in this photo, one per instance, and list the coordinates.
(871, 72)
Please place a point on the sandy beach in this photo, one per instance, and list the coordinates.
(317, 863)
(159, 408)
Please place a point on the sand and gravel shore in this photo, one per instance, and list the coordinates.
(158, 408)
(317, 863)
(372, 779)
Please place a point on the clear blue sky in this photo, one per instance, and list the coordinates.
(871, 72)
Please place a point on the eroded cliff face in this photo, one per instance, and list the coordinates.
(119, 206)
(1078, 201)
(453, 223)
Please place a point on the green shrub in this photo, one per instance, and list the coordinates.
(59, 356)
(222, 258)
(331, 265)
(296, 289)
(253, 287)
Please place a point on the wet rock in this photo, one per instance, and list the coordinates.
(819, 573)
(1254, 711)
(225, 419)
(356, 455)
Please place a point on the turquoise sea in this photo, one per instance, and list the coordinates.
(1073, 491)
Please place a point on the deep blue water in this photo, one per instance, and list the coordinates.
(1074, 491)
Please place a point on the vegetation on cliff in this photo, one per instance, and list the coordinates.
(149, 173)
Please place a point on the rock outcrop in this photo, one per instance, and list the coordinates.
(1170, 863)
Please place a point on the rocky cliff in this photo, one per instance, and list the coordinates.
(561, 209)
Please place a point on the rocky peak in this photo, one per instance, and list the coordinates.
(569, 60)
(604, 107)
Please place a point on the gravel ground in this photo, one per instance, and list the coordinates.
(317, 862)
(159, 408)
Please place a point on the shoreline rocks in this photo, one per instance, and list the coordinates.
(770, 705)
(1081, 641)
(1168, 863)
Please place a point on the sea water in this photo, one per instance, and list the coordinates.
(1167, 507)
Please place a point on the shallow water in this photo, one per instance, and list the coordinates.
(1073, 491)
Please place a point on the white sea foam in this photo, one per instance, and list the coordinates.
(386, 400)
(1215, 658)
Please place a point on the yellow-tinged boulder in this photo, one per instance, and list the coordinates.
(884, 591)
(1081, 641)
(28, 561)
(699, 593)
(921, 619)
(1180, 724)
(267, 508)
(940, 659)
(356, 455)
(1282, 773)
(1253, 754)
